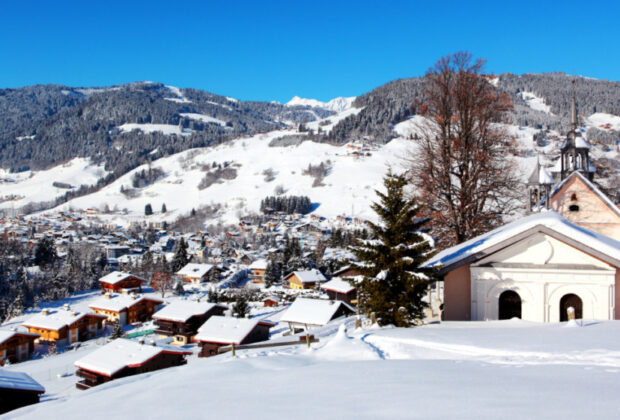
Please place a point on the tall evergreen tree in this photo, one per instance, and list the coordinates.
(241, 307)
(180, 256)
(272, 273)
(393, 280)
(45, 253)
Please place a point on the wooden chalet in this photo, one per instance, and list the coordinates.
(258, 269)
(121, 358)
(65, 326)
(16, 346)
(346, 273)
(305, 314)
(304, 279)
(126, 309)
(17, 389)
(221, 331)
(195, 273)
(181, 319)
(119, 281)
(339, 289)
(271, 302)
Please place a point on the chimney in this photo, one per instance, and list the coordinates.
(107, 296)
(66, 307)
(152, 343)
(45, 312)
(141, 341)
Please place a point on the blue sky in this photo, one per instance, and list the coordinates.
(272, 50)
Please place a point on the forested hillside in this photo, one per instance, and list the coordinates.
(46, 125)
(393, 102)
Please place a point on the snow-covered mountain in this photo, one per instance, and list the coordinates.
(337, 104)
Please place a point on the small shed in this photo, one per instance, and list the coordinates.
(221, 331)
(271, 301)
(17, 389)
(305, 313)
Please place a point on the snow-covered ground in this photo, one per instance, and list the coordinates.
(604, 121)
(349, 186)
(464, 370)
(536, 102)
(203, 118)
(337, 104)
(150, 128)
(33, 186)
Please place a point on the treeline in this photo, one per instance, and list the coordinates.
(31, 276)
(287, 204)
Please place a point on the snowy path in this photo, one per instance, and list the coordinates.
(553, 344)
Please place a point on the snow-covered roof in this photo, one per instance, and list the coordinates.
(119, 354)
(8, 334)
(194, 270)
(581, 142)
(544, 177)
(55, 319)
(182, 310)
(308, 276)
(339, 285)
(19, 380)
(258, 265)
(115, 277)
(226, 330)
(312, 311)
(117, 303)
(550, 220)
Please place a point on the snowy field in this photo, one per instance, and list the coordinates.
(37, 185)
(501, 369)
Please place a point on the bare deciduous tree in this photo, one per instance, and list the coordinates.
(462, 166)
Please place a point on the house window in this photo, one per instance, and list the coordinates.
(573, 197)
(573, 207)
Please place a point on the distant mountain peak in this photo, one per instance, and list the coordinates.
(338, 104)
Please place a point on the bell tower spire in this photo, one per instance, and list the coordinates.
(573, 110)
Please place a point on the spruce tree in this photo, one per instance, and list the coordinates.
(394, 282)
(214, 296)
(179, 290)
(45, 253)
(241, 307)
(180, 258)
(148, 210)
(271, 274)
(117, 331)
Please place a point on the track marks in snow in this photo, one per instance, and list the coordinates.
(411, 348)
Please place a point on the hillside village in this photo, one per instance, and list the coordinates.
(279, 279)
